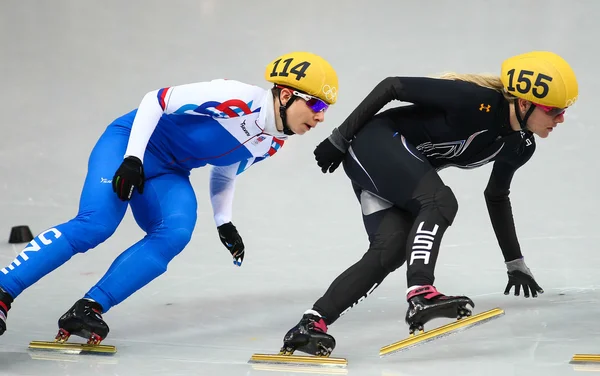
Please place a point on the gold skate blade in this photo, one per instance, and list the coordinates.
(72, 348)
(319, 361)
(585, 358)
(441, 331)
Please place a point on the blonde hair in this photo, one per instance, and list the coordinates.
(486, 80)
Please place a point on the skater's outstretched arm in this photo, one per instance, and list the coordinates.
(500, 210)
(442, 94)
(222, 187)
(432, 92)
(497, 197)
(146, 118)
(501, 216)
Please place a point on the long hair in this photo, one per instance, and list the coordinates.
(486, 80)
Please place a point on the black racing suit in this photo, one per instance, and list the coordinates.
(393, 160)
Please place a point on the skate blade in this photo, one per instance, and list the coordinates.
(444, 330)
(297, 360)
(72, 348)
(585, 358)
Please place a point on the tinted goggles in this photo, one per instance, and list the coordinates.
(552, 111)
(314, 103)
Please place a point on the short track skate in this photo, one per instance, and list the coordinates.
(83, 320)
(60, 344)
(464, 321)
(286, 357)
(308, 336)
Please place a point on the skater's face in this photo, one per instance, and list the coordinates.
(304, 113)
(543, 119)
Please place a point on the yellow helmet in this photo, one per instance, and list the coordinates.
(305, 72)
(541, 77)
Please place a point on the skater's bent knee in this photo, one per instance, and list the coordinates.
(173, 241)
(175, 230)
(88, 232)
(446, 203)
(179, 238)
(390, 250)
(385, 255)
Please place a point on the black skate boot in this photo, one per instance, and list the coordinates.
(309, 336)
(425, 303)
(5, 301)
(84, 319)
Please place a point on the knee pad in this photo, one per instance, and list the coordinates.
(445, 202)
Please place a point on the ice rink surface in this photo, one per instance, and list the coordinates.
(69, 68)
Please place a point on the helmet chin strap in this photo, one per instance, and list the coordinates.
(523, 121)
(282, 114)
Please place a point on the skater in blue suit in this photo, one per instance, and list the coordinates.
(144, 158)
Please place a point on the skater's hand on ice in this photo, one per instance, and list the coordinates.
(129, 175)
(232, 240)
(520, 280)
(520, 276)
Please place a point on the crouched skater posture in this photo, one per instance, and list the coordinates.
(393, 158)
(152, 149)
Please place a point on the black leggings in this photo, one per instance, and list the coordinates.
(406, 209)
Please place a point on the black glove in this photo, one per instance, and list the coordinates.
(520, 276)
(129, 175)
(232, 240)
(328, 156)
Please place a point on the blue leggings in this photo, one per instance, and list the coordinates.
(166, 211)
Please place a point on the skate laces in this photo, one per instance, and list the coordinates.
(320, 325)
(92, 308)
(429, 291)
(316, 323)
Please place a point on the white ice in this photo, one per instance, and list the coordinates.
(69, 68)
